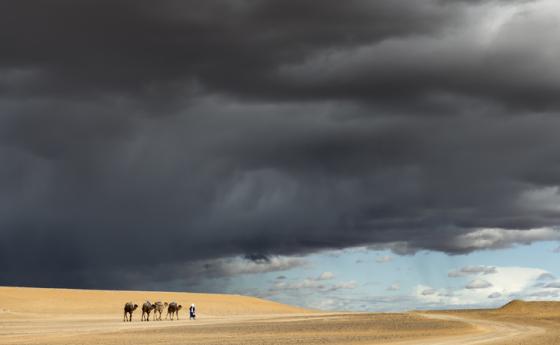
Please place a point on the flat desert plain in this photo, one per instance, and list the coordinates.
(64, 316)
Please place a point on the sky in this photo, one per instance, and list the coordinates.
(355, 155)
(361, 279)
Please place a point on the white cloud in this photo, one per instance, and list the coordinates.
(489, 238)
(326, 304)
(313, 284)
(472, 270)
(343, 286)
(478, 284)
(546, 294)
(325, 276)
(304, 284)
(446, 293)
(363, 303)
(394, 287)
(383, 259)
(400, 247)
(481, 239)
(546, 277)
(554, 285)
(428, 292)
(508, 282)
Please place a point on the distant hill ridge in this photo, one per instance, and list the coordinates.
(520, 307)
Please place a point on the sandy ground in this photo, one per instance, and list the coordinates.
(530, 323)
(59, 316)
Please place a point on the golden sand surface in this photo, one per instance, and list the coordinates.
(65, 316)
(541, 320)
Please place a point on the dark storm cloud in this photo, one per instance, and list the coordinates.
(359, 50)
(232, 46)
(139, 140)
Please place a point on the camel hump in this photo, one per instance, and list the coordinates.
(129, 306)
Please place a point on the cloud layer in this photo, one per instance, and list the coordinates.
(136, 139)
(495, 289)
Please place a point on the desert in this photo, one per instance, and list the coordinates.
(66, 316)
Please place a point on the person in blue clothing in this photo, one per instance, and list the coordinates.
(192, 312)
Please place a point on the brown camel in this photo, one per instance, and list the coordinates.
(128, 309)
(173, 309)
(159, 308)
(147, 308)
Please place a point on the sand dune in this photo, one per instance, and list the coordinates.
(64, 316)
(65, 302)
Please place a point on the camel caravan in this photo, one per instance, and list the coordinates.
(158, 308)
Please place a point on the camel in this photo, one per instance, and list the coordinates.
(128, 309)
(158, 309)
(172, 309)
(147, 307)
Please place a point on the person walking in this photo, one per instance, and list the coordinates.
(192, 312)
